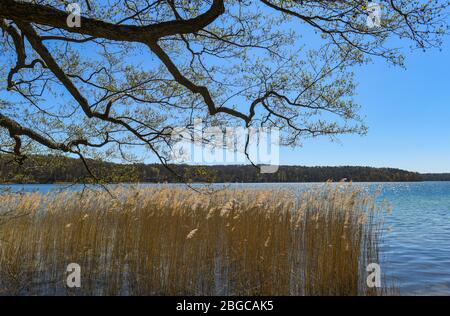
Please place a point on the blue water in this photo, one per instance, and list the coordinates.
(416, 246)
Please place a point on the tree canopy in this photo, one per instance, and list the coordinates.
(133, 70)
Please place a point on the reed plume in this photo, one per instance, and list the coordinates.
(179, 242)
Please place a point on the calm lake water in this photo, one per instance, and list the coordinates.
(416, 247)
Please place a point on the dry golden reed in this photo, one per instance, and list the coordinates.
(170, 241)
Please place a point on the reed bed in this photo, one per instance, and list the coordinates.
(180, 242)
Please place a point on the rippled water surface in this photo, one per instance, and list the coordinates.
(416, 247)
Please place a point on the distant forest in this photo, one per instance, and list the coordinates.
(53, 169)
(436, 176)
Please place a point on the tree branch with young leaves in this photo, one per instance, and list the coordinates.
(118, 85)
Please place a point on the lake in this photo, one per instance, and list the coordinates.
(416, 245)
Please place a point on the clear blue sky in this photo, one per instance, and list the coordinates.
(408, 115)
(407, 112)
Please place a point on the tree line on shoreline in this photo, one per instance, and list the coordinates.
(54, 169)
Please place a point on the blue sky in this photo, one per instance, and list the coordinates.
(407, 112)
(408, 115)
